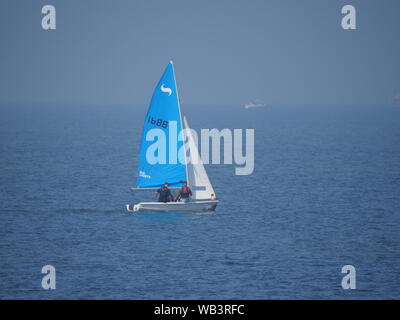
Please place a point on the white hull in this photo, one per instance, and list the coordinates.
(191, 206)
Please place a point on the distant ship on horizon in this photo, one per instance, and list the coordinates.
(254, 104)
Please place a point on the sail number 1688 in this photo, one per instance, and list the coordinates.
(158, 122)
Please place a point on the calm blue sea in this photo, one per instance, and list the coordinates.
(324, 193)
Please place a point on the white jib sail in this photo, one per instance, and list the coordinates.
(198, 180)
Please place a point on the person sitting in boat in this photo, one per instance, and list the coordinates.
(185, 193)
(164, 193)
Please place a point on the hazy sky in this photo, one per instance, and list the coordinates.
(224, 51)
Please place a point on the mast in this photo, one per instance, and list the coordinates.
(180, 118)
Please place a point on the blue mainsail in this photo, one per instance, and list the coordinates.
(159, 158)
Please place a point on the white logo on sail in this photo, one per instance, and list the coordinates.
(165, 89)
(144, 175)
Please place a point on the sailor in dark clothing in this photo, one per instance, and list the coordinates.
(164, 194)
(185, 193)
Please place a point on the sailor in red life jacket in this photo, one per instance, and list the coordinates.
(185, 193)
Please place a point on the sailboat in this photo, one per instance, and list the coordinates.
(164, 113)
